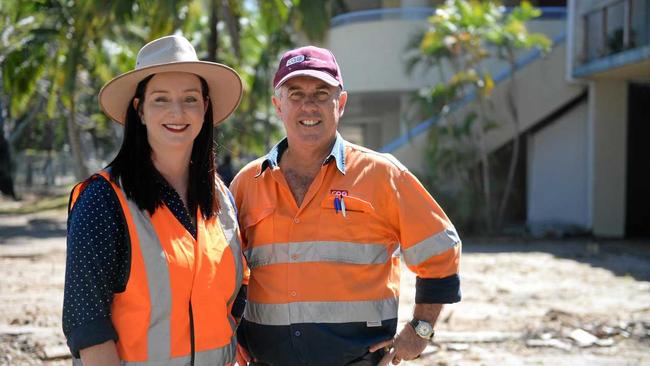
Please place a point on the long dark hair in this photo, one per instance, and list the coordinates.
(134, 169)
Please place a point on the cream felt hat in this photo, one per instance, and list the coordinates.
(172, 54)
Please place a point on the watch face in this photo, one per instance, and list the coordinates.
(424, 329)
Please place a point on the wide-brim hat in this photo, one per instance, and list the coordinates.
(172, 54)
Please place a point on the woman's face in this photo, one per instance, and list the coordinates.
(173, 111)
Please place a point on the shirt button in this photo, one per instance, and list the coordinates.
(297, 333)
(296, 220)
(292, 293)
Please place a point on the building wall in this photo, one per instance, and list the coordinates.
(372, 54)
(540, 91)
(608, 131)
(557, 173)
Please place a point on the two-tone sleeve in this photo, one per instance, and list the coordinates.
(429, 242)
(97, 266)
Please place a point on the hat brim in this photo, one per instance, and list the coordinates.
(224, 83)
(329, 79)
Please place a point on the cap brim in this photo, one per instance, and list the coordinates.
(224, 83)
(313, 73)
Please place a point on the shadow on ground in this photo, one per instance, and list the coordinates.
(621, 257)
(36, 228)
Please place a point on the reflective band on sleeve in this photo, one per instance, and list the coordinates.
(317, 251)
(321, 312)
(431, 246)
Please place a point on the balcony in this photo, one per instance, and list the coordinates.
(615, 35)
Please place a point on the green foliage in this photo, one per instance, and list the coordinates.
(56, 54)
(461, 36)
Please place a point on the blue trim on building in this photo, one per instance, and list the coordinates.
(612, 62)
(414, 13)
(419, 13)
(498, 78)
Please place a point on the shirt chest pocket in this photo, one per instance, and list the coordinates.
(258, 225)
(353, 225)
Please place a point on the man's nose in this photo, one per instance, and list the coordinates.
(310, 103)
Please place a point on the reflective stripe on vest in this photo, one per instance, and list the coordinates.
(200, 358)
(219, 356)
(228, 221)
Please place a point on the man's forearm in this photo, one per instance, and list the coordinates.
(427, 312)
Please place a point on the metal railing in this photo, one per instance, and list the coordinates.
(418, 13)
(614, 27)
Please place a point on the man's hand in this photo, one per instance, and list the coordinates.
(407, 345)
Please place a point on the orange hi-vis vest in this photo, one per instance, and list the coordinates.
(180, 291)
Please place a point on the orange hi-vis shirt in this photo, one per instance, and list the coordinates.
(177, 303)
(334, 262)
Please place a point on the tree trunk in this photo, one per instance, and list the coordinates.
(515, 141)
(232, 23)
(213, 37)
(74, 138)
(6, 173)
(485, 171)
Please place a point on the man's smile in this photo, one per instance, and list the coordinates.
(309, 122)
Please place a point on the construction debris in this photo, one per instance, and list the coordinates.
(583, 338)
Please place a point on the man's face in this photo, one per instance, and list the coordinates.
(310, 110)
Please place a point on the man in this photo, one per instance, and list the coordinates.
(322, 221)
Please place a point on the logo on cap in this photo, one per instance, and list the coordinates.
(295, 60)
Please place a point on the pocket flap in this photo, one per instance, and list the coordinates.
(255, 216)
(351, 204)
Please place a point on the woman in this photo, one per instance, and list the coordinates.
(153, 261)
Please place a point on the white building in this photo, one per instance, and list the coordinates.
(584, 108)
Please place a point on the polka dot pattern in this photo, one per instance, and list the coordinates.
(175, 204)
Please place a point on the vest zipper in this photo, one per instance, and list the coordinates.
(191, 336)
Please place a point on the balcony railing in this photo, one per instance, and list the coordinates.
(368, 15)
(417, 13)
(615, 27)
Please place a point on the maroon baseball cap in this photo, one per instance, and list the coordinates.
(308, 61)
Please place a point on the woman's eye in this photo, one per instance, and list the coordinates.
(190, 99)
(160, 99)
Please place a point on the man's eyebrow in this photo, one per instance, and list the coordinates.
(318, 88)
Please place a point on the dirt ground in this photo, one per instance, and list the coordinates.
(556, 303)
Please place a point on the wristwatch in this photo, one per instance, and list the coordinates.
(422, 328)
